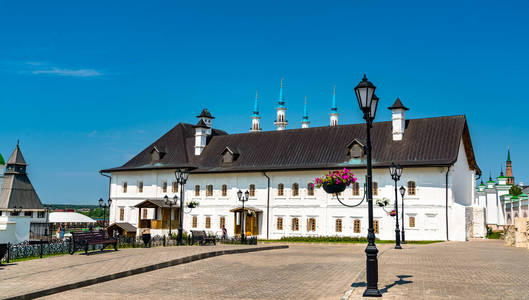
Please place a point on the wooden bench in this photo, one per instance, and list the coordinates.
(82, 240)
(202, 238)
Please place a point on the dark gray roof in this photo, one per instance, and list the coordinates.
(17, 190)
(398, 104)
(201, 124)
(16, 157)
(125, 226)
(426, 142)
(205, 113)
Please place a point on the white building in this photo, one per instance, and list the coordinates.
(20, 208)
(501, 207)
(277, 168)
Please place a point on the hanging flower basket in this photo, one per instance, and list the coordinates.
(382, 202)
(393, 213)
(334, 188)
(192, 204)
(335, 181)
(250, 213)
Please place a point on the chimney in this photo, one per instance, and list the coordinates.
(202, 130)
(398, 121)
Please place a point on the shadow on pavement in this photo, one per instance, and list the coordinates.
(401, 281)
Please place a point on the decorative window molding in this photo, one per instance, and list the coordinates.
(194, 222)
(356, 189)
(208, 222)
(311, 225)
(310, 189)
(280, 189)
(411, 221)
(412, 188)
(295, 189)
(338, 225)
(356, 226)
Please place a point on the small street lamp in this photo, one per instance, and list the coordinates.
(402, 192)
(243, 199)
(104, 206)
(181, 176)
(47, 209)
(396, 172)
(368, 102)
(170, 204)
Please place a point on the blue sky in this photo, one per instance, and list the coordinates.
(86, 85)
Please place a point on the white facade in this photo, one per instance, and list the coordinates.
(16, 229)
(436, 206)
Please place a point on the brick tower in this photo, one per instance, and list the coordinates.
(508, 168)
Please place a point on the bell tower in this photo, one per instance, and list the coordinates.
(508, 168)
(334, 110)
(281, 121)
(255, 115)
(305, 120)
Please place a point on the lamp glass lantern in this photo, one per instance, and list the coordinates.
(374, 104)
(399, 170)
(402, 191)
(100, 202)
(175, 198)
(364, 94)
(246, 195)
(166, 200)
(239, 194)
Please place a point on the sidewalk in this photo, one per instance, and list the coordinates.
(65, 272)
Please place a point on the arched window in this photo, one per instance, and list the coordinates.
(375, 188)
(208, 222)
(124, 187)
(224, 190)
(375, 226)
(195, 222)
(356, 226)
(222, 222)
(140, 187)
(338, 225)
(295, 224)
(164, 187)
(411, 188)
(209, 190)
(279, 223)
(311, 224)
(356, 189)
(411, 221)
(310, 189)
(280, 189)
(174, 188)
(252, 190)
(197, 190)
(295, 189)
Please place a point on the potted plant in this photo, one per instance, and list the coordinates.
(192, 204)
(382, 202)
(336, 181)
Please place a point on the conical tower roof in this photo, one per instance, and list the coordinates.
(2, 161)
(16, 158)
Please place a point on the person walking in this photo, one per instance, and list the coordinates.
(63, 230)
(58, 232)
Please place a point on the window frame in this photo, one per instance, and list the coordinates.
(222, 222)
(338, 225)
(356, 188)
(124, 186)
(164, 186)
(295, 189)
(311, 224)
(194, 222)
(197, 190)
(412, 191)
(375, 188)
(357, 226)
(310, 189)
(295, 224)
(281, 189)
(209, 190)
(279, 223)
(411, 221)
(224, 190)
(122, 213)
(208, 223)
(174, 187)
(376, 226)
(251, 190)
(140, 186)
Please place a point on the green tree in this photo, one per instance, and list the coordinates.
(515, 190)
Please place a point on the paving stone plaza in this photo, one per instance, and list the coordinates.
(450, 270)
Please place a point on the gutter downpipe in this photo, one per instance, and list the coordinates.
(267, 206)
(446, 206)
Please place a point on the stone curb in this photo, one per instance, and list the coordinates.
(174, 262)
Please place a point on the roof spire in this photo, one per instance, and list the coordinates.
(333, 107)
(255, 104)
(509, 153)
(281, 101)
(305, 120)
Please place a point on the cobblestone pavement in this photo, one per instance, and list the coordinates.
(300, 272)
(480, 269)
(34, 275)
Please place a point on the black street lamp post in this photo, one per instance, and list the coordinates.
(170, 204)
(104, 206)
(47, 209)
(396, 172)
(181, 176)
(243, 219)
(368, 101)
(402, 191)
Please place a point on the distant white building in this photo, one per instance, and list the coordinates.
(20, 206)
(277, 167)
(502, 207)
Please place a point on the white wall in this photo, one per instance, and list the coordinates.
(427, 206)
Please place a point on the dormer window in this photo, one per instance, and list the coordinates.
(355, 149)
(229, 155)
(157, 153)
